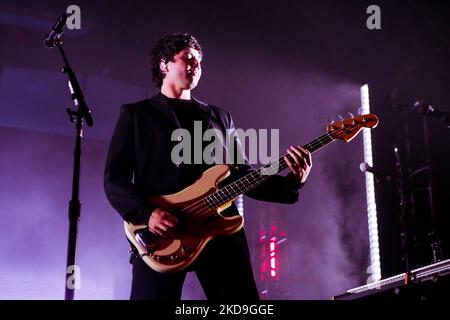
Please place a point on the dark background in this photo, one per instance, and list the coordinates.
(288, 65)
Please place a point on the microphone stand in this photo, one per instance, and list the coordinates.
(404, 232)
(433, 234)
(425, 109)
(82, 113)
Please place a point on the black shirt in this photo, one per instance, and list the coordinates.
(188, 115)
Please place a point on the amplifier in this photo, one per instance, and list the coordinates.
(425, 283)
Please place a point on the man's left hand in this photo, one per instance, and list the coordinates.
(301, 163)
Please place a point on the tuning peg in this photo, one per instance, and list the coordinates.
(340, 117)
(360, 111)
(329, 121)
(350, 114)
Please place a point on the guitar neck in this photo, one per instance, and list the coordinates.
(257, 177)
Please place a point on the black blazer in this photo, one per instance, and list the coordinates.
(139, 165)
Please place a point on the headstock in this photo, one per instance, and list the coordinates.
(347, 129)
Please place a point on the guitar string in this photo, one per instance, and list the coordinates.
(318, 142)
(201, 206)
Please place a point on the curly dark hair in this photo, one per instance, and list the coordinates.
(166, 48)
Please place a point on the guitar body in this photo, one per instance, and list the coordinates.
(198, 223)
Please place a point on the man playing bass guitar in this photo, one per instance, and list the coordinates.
(139, 166)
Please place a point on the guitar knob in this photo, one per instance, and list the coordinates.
(360, 120)
(173, 257)
(184, 250)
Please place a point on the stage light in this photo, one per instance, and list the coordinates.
(375, 265)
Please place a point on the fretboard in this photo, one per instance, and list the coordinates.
(257, 177)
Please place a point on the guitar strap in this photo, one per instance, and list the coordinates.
(220, 135)
(226, 137)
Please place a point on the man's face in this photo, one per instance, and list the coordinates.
(185, 71)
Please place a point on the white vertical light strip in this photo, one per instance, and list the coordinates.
(375, 265)
(240, 204)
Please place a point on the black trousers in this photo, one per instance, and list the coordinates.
(223, 269)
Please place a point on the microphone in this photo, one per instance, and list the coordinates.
(427, 110)
(365, 167)
(53, 38)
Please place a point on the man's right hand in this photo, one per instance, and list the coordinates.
(162, 223)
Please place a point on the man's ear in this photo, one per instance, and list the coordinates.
(163, 66)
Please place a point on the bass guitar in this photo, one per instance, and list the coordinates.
(198, 207)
